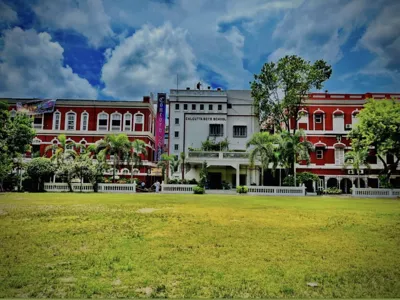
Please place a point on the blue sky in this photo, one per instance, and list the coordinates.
(125, 49)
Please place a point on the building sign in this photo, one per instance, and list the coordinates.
(156, 172)
(205, 119)
(36, 107)
(160, 125)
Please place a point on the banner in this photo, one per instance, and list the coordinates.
(36, 107)
(160, 125)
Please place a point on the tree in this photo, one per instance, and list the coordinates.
(138, 149)
(165, 162)
(357, 157)
(61, 151)
(203, 175)
(117, 145)
(379, 126)
(281, 88)
(293, 148)
(264, 147)
(182, 164)
(38, 169)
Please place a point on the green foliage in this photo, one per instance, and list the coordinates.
(166, 161)
(333, 191)
(198, 190)
(295, 77)
(306, 176)
(379, 126)
(38, 169)
(384, 182)
(203, 174)
(213, 145)
(242, 189)
(138, 150)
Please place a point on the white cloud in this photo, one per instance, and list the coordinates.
(318, 29)
(84, 16)
(148, 61)
(31, 65)
(7, 14)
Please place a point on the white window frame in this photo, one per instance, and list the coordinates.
(339, 156)
(82, 149)
(176, 147)
(149, 128)
(175, 123)
(38, 126)
(238, 135)
(219, 134)
(187, 106)
(177, 106)
(127, 116)
(195, 106)
(135, 120)
(319, 153)
(111, 121)
(175, 134)
(57, 113)
(321, 118)
(66, 120)
(85, 113)
(98, 121)
(219, 105)
(201, 109)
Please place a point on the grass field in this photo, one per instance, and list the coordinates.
(108, 245)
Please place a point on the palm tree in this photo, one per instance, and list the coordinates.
(116, 145)
(138, 149)
(264, 147)
(61, 150)
(167, 161)
(356, 158)
(295, 147)
(182, 164)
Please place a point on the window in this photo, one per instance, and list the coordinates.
(70, 121)
(229, 105)
(56, 120)
(176, 134)
(216, 130)
(127, 122)
(318, 118)
(69, 146)
(338, 122)
(176, 106)
(13, 113)
(138, 119)
(185, 106)
(210, 107)
(201, 106)
(320, 154)
(38, 122)
(176, 121)
(116, 122)
(339, 156)
(193, 106)
(102, 121)
(82, 148)
(240, 131)
(176, 147)
(219, 106)
(84, 121)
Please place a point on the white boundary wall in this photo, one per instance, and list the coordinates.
(117, 188)
(375, 193)
(177, 188)
(88, 187)
(277, 190)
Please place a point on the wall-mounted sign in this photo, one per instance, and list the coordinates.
(205, 119)
(36, 107)
(156, 172)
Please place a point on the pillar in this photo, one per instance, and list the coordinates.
(237, 175)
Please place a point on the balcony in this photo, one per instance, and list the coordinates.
(206, 155)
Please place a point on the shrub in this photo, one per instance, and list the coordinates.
(173, 181)
(333, 191)
(226, 185)
(198, 190)
(242, 189)
(193, 181)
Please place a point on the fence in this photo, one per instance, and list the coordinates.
(375, 193)
(88, 187)
(277, 190)
(177, 188)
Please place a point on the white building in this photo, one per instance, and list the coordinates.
(195, 115)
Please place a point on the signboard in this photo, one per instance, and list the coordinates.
(156, 172)
(36, 107)
(205, 119)
(160, 125)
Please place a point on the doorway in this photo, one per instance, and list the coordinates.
(215, 181)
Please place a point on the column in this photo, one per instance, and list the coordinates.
(237, 175)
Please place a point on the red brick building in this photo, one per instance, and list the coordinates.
(88, 121)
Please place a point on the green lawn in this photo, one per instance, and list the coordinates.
(109, 245)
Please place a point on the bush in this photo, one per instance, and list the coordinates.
(226, 185)
(333, 191)
(242, 189)
(193, 181)
(198, 190)
(173, 181)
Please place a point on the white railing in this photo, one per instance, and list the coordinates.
(117, 188)
(375, 193)
(63, 187)
(277, 190)
(177, 188)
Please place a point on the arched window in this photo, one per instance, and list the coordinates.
(127, 122)
(102, 121)
(13, 113)
(116, 120)
(70, 121)
(338, 120)
(82, 148)
(84, 121)
(139, 122)
(56, 120)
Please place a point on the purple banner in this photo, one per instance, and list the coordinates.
(37, 107)
(160, 125)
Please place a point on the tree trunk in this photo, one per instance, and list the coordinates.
(294, 169)
(358, 178)
(114, 166)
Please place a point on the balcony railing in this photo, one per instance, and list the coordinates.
(218, 155)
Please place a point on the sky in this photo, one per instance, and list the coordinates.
(126, 49)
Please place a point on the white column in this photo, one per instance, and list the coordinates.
(237, 175)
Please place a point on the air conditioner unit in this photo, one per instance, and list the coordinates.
(350, 172)
(348, 126)
(361, 171)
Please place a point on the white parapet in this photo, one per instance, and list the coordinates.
(277, 190)
(177, 188)
(375, 193)
(117, 188)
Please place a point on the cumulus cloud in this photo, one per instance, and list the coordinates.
(7, 14)
(31, 65)
(84, 16)
(147, 61)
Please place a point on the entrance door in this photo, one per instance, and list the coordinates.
(242, 179)
(215, 181)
